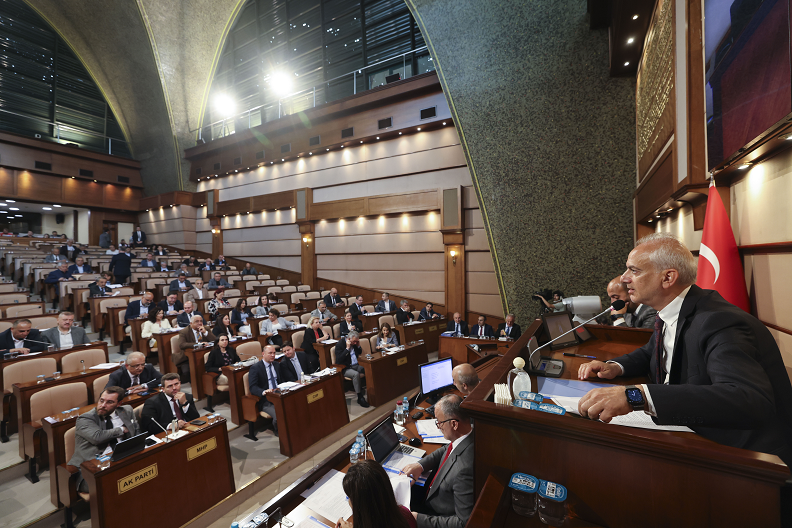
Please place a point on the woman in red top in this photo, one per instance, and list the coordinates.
(371, 498)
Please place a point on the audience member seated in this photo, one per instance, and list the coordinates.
(262, 307)
(182, 269)
(171, 304)
(180, 284)
(79, 267)
(323, 313)
(222, 355)
(197, 292)
(315, 333)
(65, 334)
(121, 266)
(386, 305)
(346, 353)
(269, 327)
(387, 337)
(160, 252)
(185, 318)
(223, 326)
(111, 250)
(134, 375)
(162, 266)
(98, 288)
(207, 265)
(350, 325)
(370, 495)
(60, 274)
(188, 337)
(100, 429)
(155, 324)
(465, 378)
(294, 364)
(55, 256)
(404, 314)
(450, 498)
(248, 270)
(332, 299)
(217, 302)
(191, 262)
(263, 379)
(482, 329)
(122, 244)
(170, 404)
(138, 238)
(149, 261)
(141, 307)
(70, 250)
(220, 263)
(357, 309)
(509, 328)
(22, 338)
(217, 281)
(457, 325)
(239, 316)
(632, 315)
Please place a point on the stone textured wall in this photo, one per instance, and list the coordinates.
(550, 139)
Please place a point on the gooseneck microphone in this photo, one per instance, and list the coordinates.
(617, 305)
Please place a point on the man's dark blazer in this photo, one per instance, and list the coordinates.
(174, 285)
(289, 374)
(133, 310)
(120, 377)
(75, 253)
(93, 290)
(203, 266)
(425, 316)
(515, 331)
(54, 276)
(158, 407)
(357, 326)
(451, 495)
(328, 299)
(183, 320)
(463, 326)
(86, 269)
(193, 263)
(7, 341)
(121, 265)
(148, 263)
(727, 381)
(645, 318)
(488, 332)
(402, 316)
(259, 381)
(356, 311)
(384, 306)
(342, 355)
(163, 305)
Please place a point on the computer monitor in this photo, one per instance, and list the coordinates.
(436, 376)
(382, 439)
(555, 325)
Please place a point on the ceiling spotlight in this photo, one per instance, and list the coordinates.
(361, 142)
(94, 181)
(281, 83)
(283, 159)
(47, 208)
(342, 146)
(73, 178)
(635, 17)
(11, 201)
(18, 216)
(400, 133)
(56, 206)
(443, 123)
(3, 205)
(224, 105)
(630, 40)
(744, 166)
(627, 63)
(236, 171)
(13, 208)
(328, 150)
(310, 153)
(11, 217)
(377, 137)
(199, 179)
(419, 129)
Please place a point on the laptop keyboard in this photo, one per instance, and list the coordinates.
(407, 450)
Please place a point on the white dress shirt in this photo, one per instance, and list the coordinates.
(66, 340)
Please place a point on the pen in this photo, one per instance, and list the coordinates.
(579, 355)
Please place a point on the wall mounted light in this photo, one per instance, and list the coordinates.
(453, 257)
(307, 240)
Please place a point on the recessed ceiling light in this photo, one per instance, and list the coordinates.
(14, 208)
(310, 153)
(361, 142)
(443, 123)
(627, 63)
(630, 40)
(3, 205)
(635, 17)
(199, 179)
(94, 181)
(18, 216)
(56, 206)
(377, 137)
(400, 133)
(73, 178)
(236, 171)
(342, 146)
(11, 201)
(283, 159)
(744, 166)
(328, 150)
(11, 217)
(419, 129)
(47, 208)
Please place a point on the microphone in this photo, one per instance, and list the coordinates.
(39, 342)
(158, 424)
(617, 305)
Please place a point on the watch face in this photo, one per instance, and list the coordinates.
(634, 396)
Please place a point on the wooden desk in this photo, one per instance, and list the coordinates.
(393, 375)
(236, 391)
(193, 472)
(457, 348)
(429, 331)
(98, 318)
(370, 322)
(595, 460)
(323, 349)
(164, 352)
(80, 308)
(195, 356)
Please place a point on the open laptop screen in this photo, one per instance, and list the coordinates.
(382, 440)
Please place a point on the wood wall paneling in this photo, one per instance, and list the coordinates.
(39, 186)
(83, 192)
(7, 181)
(279, 200)
(456, 298)
(240, 205)
(697, 130)
(308, 253)
(338, 209)
(656, 188)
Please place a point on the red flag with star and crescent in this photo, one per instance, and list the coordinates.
(719, 265)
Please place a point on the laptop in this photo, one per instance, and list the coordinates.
(130, 446)
(384, 441)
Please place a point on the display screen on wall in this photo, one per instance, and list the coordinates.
(747, 61)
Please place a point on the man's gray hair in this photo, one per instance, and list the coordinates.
(669, 252)
(350, 335)
(21, 321)
(135, 355)
(405, 302)
(451, 406)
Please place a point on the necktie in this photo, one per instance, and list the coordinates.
(177, 409)
(109, 426)
(273, 381)
(297, 367)
(135, 381)
(659, 349)
(457, 328)
(448, 452)
(481, 331)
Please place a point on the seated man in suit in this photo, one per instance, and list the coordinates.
(350, 325)
(171, 304)
(207, 265)
(217, 281)
(482, 329)
(458, 326)
(162, 266)
(323, 313)
(180, 284)
(428, 313)
(99, 288)
(188, 336)
(182, 269)
(295, 364)
(248, 270)
(346, 353)
(357, 309)
(191, 262)
(79, 267)
(70, 250)
(465, 378)
(65, 334)
(450, 496)
(404, 314)
(22, 338)
(632, 315)
(135, 376)
(386, 305)
(263, 379)
(139, 308)
(55, 256)
(220, 262)
(509, 328)
(186, 317)
(149, 261)
(197, 292)
(332, 299)
(713, 367)
(100, 429)
(56, 276)
(170, 404)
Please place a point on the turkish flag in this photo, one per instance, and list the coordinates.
(719, 266)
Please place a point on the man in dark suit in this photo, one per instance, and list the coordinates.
(22, 338)
(404, 314)
(482, 329)
(60, 274)
(137, 308)
(332, 299)
(220, 262)
(509, 328)
(138, 238)
(98, 288)
(121, 266)
(170, 404)
(180, 284)
(632, 315)
(171, 304)
(185, 318)
(135, 376)
(207, 265)
(428, 313)
(70, 250)
(264, 378)
(713, 367)
(79, 267)
(457, 326)
(149, 261)
(450, 498)
(294, 364)
(386, 305)
(357, 309)
(346, 353)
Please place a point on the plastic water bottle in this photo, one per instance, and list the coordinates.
(234, 525)
(360, 440)
(354, 453)
(518, 380)
(406, 406)
(399, 413)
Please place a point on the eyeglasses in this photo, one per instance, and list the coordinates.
(136, 366)
(444, 421)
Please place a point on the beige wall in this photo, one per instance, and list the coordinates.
(482, 283)
(175, 226)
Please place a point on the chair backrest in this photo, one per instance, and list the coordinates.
(41, 323)
(274, 289)
(58, 398)
(266, 282)
(231, 279)
(125, 291)
(252, 301)
(174, 342)
(304, 287)
(232, 268)
(365, 344)
(250, 284)
(282, 308)
(297, 297)
(313, 295)
(92, 356)
(159, 274)
(12, 298)
(249, 349)
(386, 319)
(142, 270)
(165, 290)
(297, 338)
(232, 292)
(328, 330)
(246, 383)
(104, 304)
(262, 277)
(99, 384)
(337, 331)
(416, 314)
(151, 283)
(282, 282)
(5, 325)
(369, 307)
(138, 412)
(289, 288)
(373, 342)
(84, 295)
(293, 318)
(332, 355)
(23, 310)
(23, 371)
(68, 441)
(304, 318)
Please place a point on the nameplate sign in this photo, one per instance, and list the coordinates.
(401, 361)
(317, 395)
(419, 330)
(433, 328)
(136, 479)
(201, 449)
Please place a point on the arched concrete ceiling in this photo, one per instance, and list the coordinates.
(154, 61)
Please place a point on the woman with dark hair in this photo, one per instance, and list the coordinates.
(155, 324)
(371, 499)
(223, 354)
(239, 316)
(350, 325)
(223, 326)
(218, 302)
(262, 308)
(387, 337)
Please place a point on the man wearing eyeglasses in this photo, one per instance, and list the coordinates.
(450, 498)
(135, 374)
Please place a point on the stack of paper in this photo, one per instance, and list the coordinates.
(105, 366)
(327, 497)
(429, 432)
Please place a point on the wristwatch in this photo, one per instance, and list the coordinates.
(635, 398)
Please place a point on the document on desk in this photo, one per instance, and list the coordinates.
(638, 419)
(429, 432)
(330, 341)
(289, 385)
(311, 522)
(566, 387)
(327, 497)
(105, 366)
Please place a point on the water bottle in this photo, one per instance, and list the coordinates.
(406, 406)
(399, 413)
(234, 525)
(518, 380)
(360, 440)
(354, 454)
